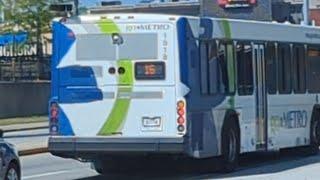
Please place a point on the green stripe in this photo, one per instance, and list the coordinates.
(121, 107)
(231, 62)
(226, 28)
(231, 68)
(107, 26)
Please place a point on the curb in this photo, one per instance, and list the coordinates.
(26, 129)
(34, 151)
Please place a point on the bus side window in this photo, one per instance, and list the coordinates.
(204, 68)
(299, 69)
(227, 64)
(245, 70)
(271, 68)
(284, 68)
(213, 67)
(313, 69)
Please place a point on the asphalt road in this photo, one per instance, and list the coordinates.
(262, 166)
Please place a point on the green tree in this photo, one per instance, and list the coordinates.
(32, 16)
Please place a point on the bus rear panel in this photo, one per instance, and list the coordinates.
(114, 87)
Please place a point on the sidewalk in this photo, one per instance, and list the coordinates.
(29, 138)
(24, 127)
(36, 148)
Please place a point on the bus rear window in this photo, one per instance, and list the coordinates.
(95, 47)
(100, 47)
(139, 46)
(150, 71)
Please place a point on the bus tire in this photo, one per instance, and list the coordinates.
(230, 146)
(103, 168)
(314, 134)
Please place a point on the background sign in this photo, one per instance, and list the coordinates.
(236, 3)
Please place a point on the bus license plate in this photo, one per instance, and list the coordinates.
(151, 124)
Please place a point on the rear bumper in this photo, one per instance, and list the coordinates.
(79, 147)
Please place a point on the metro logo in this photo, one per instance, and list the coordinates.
(148, 27)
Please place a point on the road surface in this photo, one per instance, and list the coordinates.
(262, 166)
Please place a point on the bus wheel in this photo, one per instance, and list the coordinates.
(230, 146)
(315, 135)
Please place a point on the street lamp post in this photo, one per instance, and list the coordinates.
(14, 54)
(306, 20)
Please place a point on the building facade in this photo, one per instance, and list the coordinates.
(295, 10)
(238, 9)
(315, 11)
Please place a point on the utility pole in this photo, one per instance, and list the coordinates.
(76, 6)
(306, 20)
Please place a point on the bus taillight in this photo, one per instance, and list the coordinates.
(181, 120)
(181, 111)
(54, 115)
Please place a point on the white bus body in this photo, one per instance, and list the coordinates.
(201, 87)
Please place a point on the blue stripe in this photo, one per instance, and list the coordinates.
(62, 42)
(79, 95)
(207, 25)
(182, 38)
(77, 76)
(65, 128)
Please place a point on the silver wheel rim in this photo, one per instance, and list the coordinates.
(12, 174)
(232, 146)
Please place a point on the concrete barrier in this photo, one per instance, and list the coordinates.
(24, 99)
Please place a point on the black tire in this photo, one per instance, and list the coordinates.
(115, 165)
(12, 168)
(230, 146)
(313, 149)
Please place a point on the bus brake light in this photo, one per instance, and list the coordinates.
(180, 112)
(54, 111)
(181, 120)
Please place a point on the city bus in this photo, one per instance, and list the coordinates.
(137, 85)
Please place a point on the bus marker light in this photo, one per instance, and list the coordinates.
(180, 104)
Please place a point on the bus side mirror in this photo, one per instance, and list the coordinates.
(1, 133)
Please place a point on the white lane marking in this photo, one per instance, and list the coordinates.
(43, 175)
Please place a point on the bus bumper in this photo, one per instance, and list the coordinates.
(79, 147)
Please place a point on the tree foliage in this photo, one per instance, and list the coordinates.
(32, 16)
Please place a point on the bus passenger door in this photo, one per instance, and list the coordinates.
(260, 96)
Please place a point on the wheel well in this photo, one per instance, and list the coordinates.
(231, 117)
(16, 162)
(315, 110)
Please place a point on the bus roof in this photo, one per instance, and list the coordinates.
(246, 30)
(262, 31)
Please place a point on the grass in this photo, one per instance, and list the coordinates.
(23, 120)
